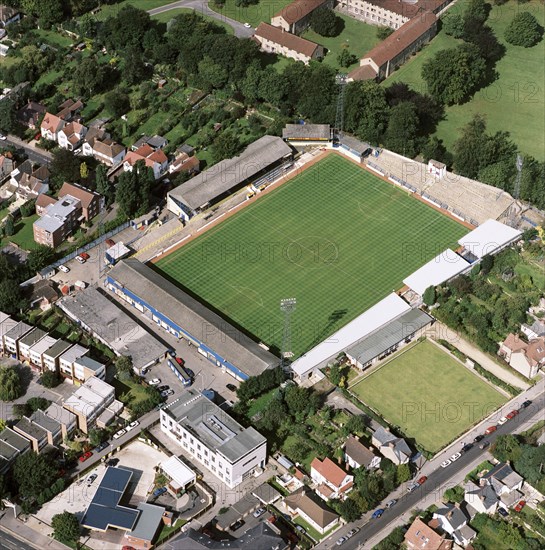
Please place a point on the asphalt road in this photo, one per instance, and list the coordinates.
(436, 479)
(201, 7)
(9, 542)
(35, 154)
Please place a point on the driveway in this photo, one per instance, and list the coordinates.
(201, 7)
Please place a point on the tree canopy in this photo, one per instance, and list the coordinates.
(66, 527)
(326, 22)
(10, 384)
(524, 30)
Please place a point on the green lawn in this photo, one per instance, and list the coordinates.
(431, 396)
(513, 103)
(24, 234)
(255, 14)
(113, 9)
(335, 237)
(166, 16)
(130, 390)
(357, 36)
(261, 402)
(54, 39)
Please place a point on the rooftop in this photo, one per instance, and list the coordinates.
(85, 196)
(178, 471)
(30, 430)
(298, 9)
(147, 524)
(358, 451)
(227, 174)
(312, 505)
(307, 131)
(194, 317)
(33, 336)
(14, 440)
(489, 237)
(89, 363)
(260, 537)
(213, 426)
(58, 348)
(75, 352)
(293, 42)
(43, 345)
(329, 470)
(19, 330)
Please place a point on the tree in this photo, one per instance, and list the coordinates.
(48, 12)
(524, 30)
(7, 115)
(66, 528)
(11, 296)
(103, 185)
(91, 77)
(403, 474)
(65, 166)
(356, 424)
(349, 510)
(429, 297)
(135, 70)
(32, 472)
(453, 24)
(117, 103)
(434, 149)
(325, 22)
(402, 128)
(83, 170)
(40, 257)
(384, 32)
(469, 148)
(50, 379)
(477, 9)
(9, 226)
(124, 367)
(226, 145)
(2, 425)
(97, 436)
(345, 58)
(10, 384)
(507, 448)
(454, 74)
(454, 494)
(211, 74)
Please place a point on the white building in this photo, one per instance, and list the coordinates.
(331, 480)
(489, 238)
(38, 349)
(67, 359)
(208, 434)
(181, 476)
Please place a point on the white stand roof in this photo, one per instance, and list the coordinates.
(488, 238)
(178, 471)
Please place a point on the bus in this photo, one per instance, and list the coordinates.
(182, 374)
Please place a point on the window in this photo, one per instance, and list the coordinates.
(199, 456)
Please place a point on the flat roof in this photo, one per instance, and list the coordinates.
(178, 471)
(14, 440)
(30, 430)
(33, 336)
(117, 251)
(89, 363)
(93, 392)
(7, 325)
(105, 319)
(489, 237)
(46, 422)
(58, 349)
(74, 353)
(189, 314)
(43, 345)
(19, 330)
(104, 510)
(389, 335)
(229, 173)
(151, 516)
(442, 268)
(213, 426)
(376, 316)
(60, 414)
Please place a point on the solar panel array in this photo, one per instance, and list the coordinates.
(104, 510)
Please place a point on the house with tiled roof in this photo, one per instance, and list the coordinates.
(154, 159)
(295, 17)
(278, 41)
(482, 499)
(453, 520)
(6, 166)
(8, 15)
(525, 357)
(30, 114)
(507, 484)
(51, 126)
(42, 202)
(332, 482)
(420, 536)
(184, 163)
(108, 151)
(71, 136)
(69, 110)
(392, 447)
(356, 455)
(305, 504)
(392, 52)
(32, 185)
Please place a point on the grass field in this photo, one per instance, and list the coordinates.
(166, 16)
(335, 237)
(431, 396)
(513, 103)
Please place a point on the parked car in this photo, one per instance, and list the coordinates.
(259, 512)
(503, 512)
(110, 242)
(422, 480)
(160, 406)
(3, 137)
(85, 256)
(101, 447)
(85, 456)
(412, 487)
(484, 444)
(352, 532)
(378, 513)
(490, 430)
(63, 268)
(237, 525)
(300, 528)
(154, 382)
(231, 387)
(80, 259)
(502, 420)
(118, 434)
(455, 457)
(391, 503)
(512, 414)
(90, 479)
(467, 447)
(478, 438)
(112, 462)
(180, 361)
(163, 388)
(445, 463)
(132, 425)
(159, 491)
(167, 393)
(520, 506)
(526, 403)
(341, 541)
(247, 25)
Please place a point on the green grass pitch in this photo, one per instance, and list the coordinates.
(431, 396)
(335, 237)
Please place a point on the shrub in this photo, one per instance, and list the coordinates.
(524, 30)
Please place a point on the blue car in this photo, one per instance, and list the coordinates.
(159, 491)
(378, 513)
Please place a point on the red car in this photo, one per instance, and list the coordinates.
(520, 506)
(85, 256)
(85, 456)
(180, 361)
(490, 430)
(422, 480)
(512, 414)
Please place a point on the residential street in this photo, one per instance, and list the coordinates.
(201, 7)
(35, 154)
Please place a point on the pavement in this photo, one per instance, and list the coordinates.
(15, 535)
(201, 7)
(35, 154)
(440, 479)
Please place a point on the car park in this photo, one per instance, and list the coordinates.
(478, 438)
(259, 512)
(85, 456)
(520, 506)
(237, 525)
(378, 513)
(445, 463)
(231, 387)
(422, 480)
(341, 541)
(118, 434)
(391, 503)
(167, 393)
(154, 382)
(90, 479)
(63, 268)
(512, 414)
(490, 430)
(502, 420)
(526, 404)
(503, 512)
(455, 457)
